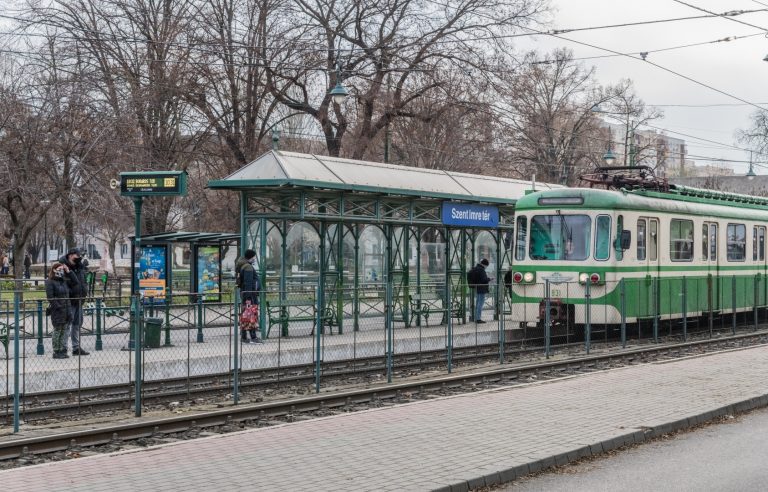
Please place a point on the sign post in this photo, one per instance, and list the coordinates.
(139, 185)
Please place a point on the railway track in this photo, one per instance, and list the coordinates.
(159, 430)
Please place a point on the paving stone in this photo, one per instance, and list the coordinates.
(449, 443)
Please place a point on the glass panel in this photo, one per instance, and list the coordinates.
(602, 237)
(653, 240)
(761, 243)
(681, 240)
(713, 242)
(641, 239)
(736, 242)
(560, 237)
(522, 231)
(754, 243)
(704, 241)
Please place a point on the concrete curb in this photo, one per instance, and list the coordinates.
(601, 447)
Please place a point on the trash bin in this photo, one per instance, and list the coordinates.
(152, 328)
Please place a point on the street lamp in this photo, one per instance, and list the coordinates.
(751, 173)
(609, 158)
(339, 93)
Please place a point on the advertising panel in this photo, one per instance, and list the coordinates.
(209, 272)
(152, 271)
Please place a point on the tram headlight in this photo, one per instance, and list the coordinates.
(583, 278)
(517, 277)
(529, 277)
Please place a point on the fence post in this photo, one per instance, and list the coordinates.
(587, 314)
(685, 308)
(547, 320)
(388, 317)
(655, 292)
(733, 304)
(500, 301)
(709, 303)
(200, 318)
(623, 306)
(756, 285)
(40, 346)
(168, 300)
(320, 298)
(99, 342)
(136, 308)
(16, 356)
(236, 365)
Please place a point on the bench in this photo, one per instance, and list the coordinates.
(282, 312)
(426, 303)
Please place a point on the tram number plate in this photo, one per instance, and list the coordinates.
(556, 293)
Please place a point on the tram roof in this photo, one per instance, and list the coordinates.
(282, 169)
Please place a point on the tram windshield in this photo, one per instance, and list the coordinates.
(560, 237)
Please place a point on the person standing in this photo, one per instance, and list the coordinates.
(247, 280)
(27, 265)
(59, 308)
(5, 269)
(479, 281)
(78, 290)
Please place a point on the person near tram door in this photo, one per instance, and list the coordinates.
(479, 280)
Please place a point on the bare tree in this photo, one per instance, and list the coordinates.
(389, 54)
(756, 136)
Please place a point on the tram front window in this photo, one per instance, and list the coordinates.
(560, 237)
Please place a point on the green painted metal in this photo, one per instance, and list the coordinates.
(262, 261)
(16, 357)
(40, 346)
(99, 342)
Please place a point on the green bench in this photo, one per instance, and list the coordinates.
(426, 303)
(283, 312)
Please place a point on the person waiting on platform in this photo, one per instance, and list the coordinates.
(247, 280)
(57, 293)
(479, 280)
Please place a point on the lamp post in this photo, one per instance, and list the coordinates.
(45, 203)
(609, 158)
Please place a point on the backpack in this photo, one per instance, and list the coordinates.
(472, 276)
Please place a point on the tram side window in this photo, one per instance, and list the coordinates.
(713, 242)
(653, 240)
(681, 240)
(704, 241)
(603, 237)
(754, 243)
(641, 240)
(522, 231)
(761, 243)
(736, 235)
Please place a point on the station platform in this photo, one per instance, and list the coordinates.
(452, 443)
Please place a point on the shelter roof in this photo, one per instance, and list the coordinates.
(282, 169)
(190, 237)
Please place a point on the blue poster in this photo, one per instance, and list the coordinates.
(152, 270)
(208, 272)
(468, 215)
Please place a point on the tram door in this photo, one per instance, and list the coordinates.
(648, 252)
(710, 258)
(758, 256)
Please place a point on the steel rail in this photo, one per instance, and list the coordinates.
(225, 418)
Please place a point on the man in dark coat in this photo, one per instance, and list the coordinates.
(248, 281)
(479, 281)
(59, 309)
(78, 290)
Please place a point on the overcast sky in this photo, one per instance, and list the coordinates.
(734, 67)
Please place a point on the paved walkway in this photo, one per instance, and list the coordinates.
(460, 441)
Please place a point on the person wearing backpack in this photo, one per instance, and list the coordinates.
(247, 279)
(479, 280)
(58, 295)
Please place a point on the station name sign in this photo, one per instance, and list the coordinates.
(468, 215)
(150, 183)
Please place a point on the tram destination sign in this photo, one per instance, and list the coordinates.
(153, 183)
(468, 215)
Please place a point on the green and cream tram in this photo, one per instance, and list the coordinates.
(682, 252)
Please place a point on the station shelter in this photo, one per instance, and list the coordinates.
(351, 229)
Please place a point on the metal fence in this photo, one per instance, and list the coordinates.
(313, 336)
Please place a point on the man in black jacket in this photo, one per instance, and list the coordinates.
(479, 281)
(248, 280)
(78, 290)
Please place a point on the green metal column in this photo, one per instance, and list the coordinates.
(356, 303)
(406, 266)
(99, 343)
(389, 302)
(40, 346)
(418, 271)
(499, 275)
(263, 276)
(340, 277)
(136, 311)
